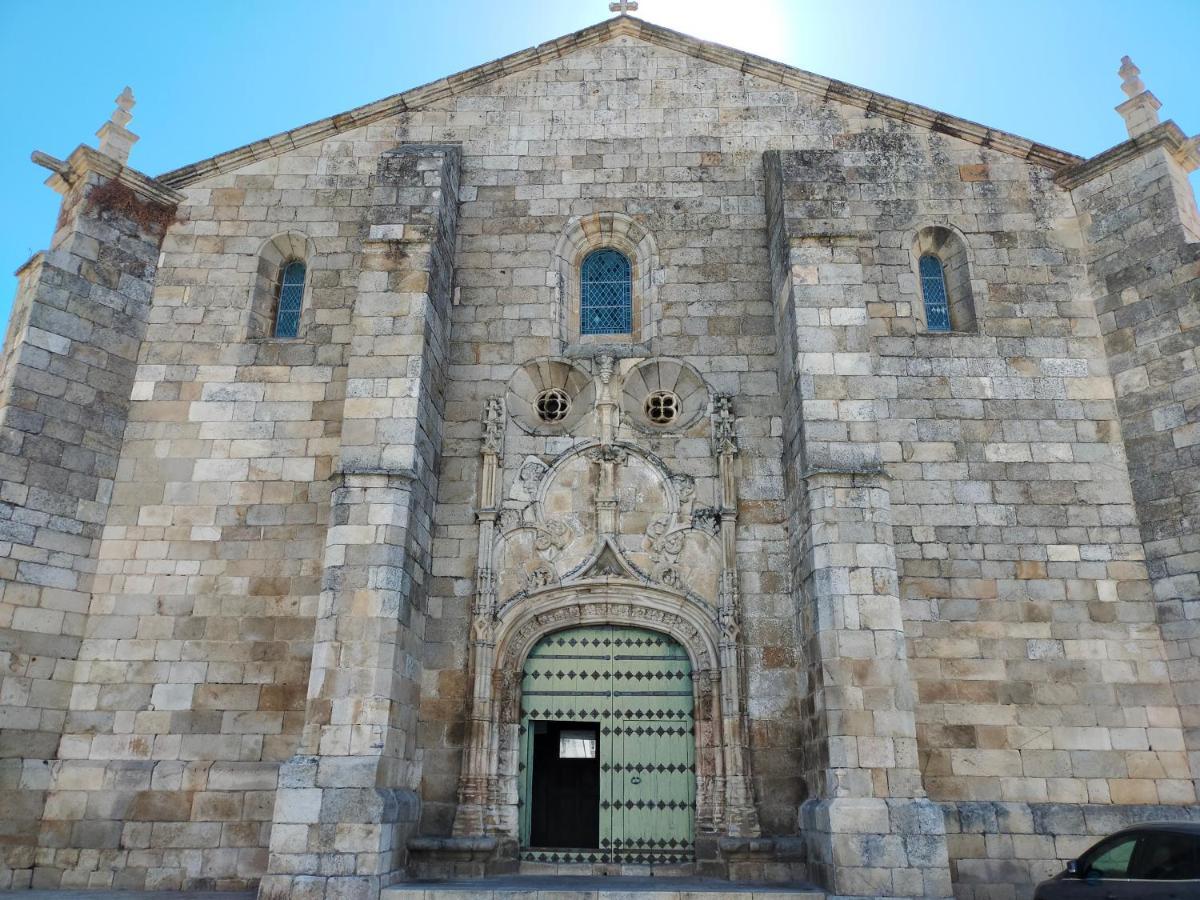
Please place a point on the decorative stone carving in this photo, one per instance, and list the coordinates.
(706, 519)
(550, 374)
(703, 681)
(685, 487)
(529, 477)
(493, 425)
(663, 376)
(607, 534)
(669, 575)
(506, 687)
(508, 519)
(724, 425)
(540, 577)
(664, 543)
(728, 615)
(552, 537)
(605, 365)
(608, 453)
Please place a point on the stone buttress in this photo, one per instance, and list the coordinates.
(347, 801)
(65, 381)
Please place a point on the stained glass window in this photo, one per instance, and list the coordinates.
(933, 291)
(291, 293)
(606, 294)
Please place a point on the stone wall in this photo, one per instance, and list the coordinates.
(1003, 849)
(68, 368)
(258, 665)
(653, 134)
(1143, 245)
(348, 801)
(194, 664)
(1039, 671)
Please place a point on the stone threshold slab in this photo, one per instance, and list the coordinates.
(550, 887)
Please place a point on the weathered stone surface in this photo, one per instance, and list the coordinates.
(950, 579)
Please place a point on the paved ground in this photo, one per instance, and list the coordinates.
(85, 894)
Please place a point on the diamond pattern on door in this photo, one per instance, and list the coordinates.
(637, 686)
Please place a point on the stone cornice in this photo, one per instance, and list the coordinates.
(623, 26)
(85, 159)
(1167, 135)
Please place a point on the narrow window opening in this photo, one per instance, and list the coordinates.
(933, 292)
(291, 294)
(606, 293)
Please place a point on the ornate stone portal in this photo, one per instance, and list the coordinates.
(605, 533)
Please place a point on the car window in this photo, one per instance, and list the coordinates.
(1112, 861)
(1166, 856)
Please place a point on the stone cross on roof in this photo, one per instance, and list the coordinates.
(624, 7)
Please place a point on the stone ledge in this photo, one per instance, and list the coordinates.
(85, 159)
(1167, 135)
(462, 845)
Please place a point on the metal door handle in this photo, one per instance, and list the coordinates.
(635, 780)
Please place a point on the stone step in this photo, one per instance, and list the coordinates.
(608, 870)
(543, 887)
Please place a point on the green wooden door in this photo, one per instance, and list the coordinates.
(637, 685)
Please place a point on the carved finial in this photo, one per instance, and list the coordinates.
(115, 139)
(1130, 83)
(624, 7)
(1140, 111)
(125, 102)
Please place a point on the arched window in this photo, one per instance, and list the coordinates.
(606, 293)
(933, 292)
(287, 307)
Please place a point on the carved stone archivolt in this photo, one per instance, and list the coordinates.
(604, 533)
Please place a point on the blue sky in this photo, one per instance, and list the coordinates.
(210, 75)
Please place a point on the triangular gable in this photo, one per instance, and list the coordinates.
(622, 26)
(609, 562)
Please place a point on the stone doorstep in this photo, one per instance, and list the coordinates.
(594, 888)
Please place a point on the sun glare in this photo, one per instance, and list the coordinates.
(757, 26)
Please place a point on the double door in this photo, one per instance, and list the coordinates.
(607, 749)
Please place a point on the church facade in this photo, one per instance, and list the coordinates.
(628, 456)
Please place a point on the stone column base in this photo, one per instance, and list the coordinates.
(330, 839)
(870, 847)
(461, 856)
(761, 859)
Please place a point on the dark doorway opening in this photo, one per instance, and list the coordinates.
(565, 793)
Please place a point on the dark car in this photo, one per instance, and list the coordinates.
(1158, 861)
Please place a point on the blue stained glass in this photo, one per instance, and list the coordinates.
(606, 294)
(291, 294)
(933, 290)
